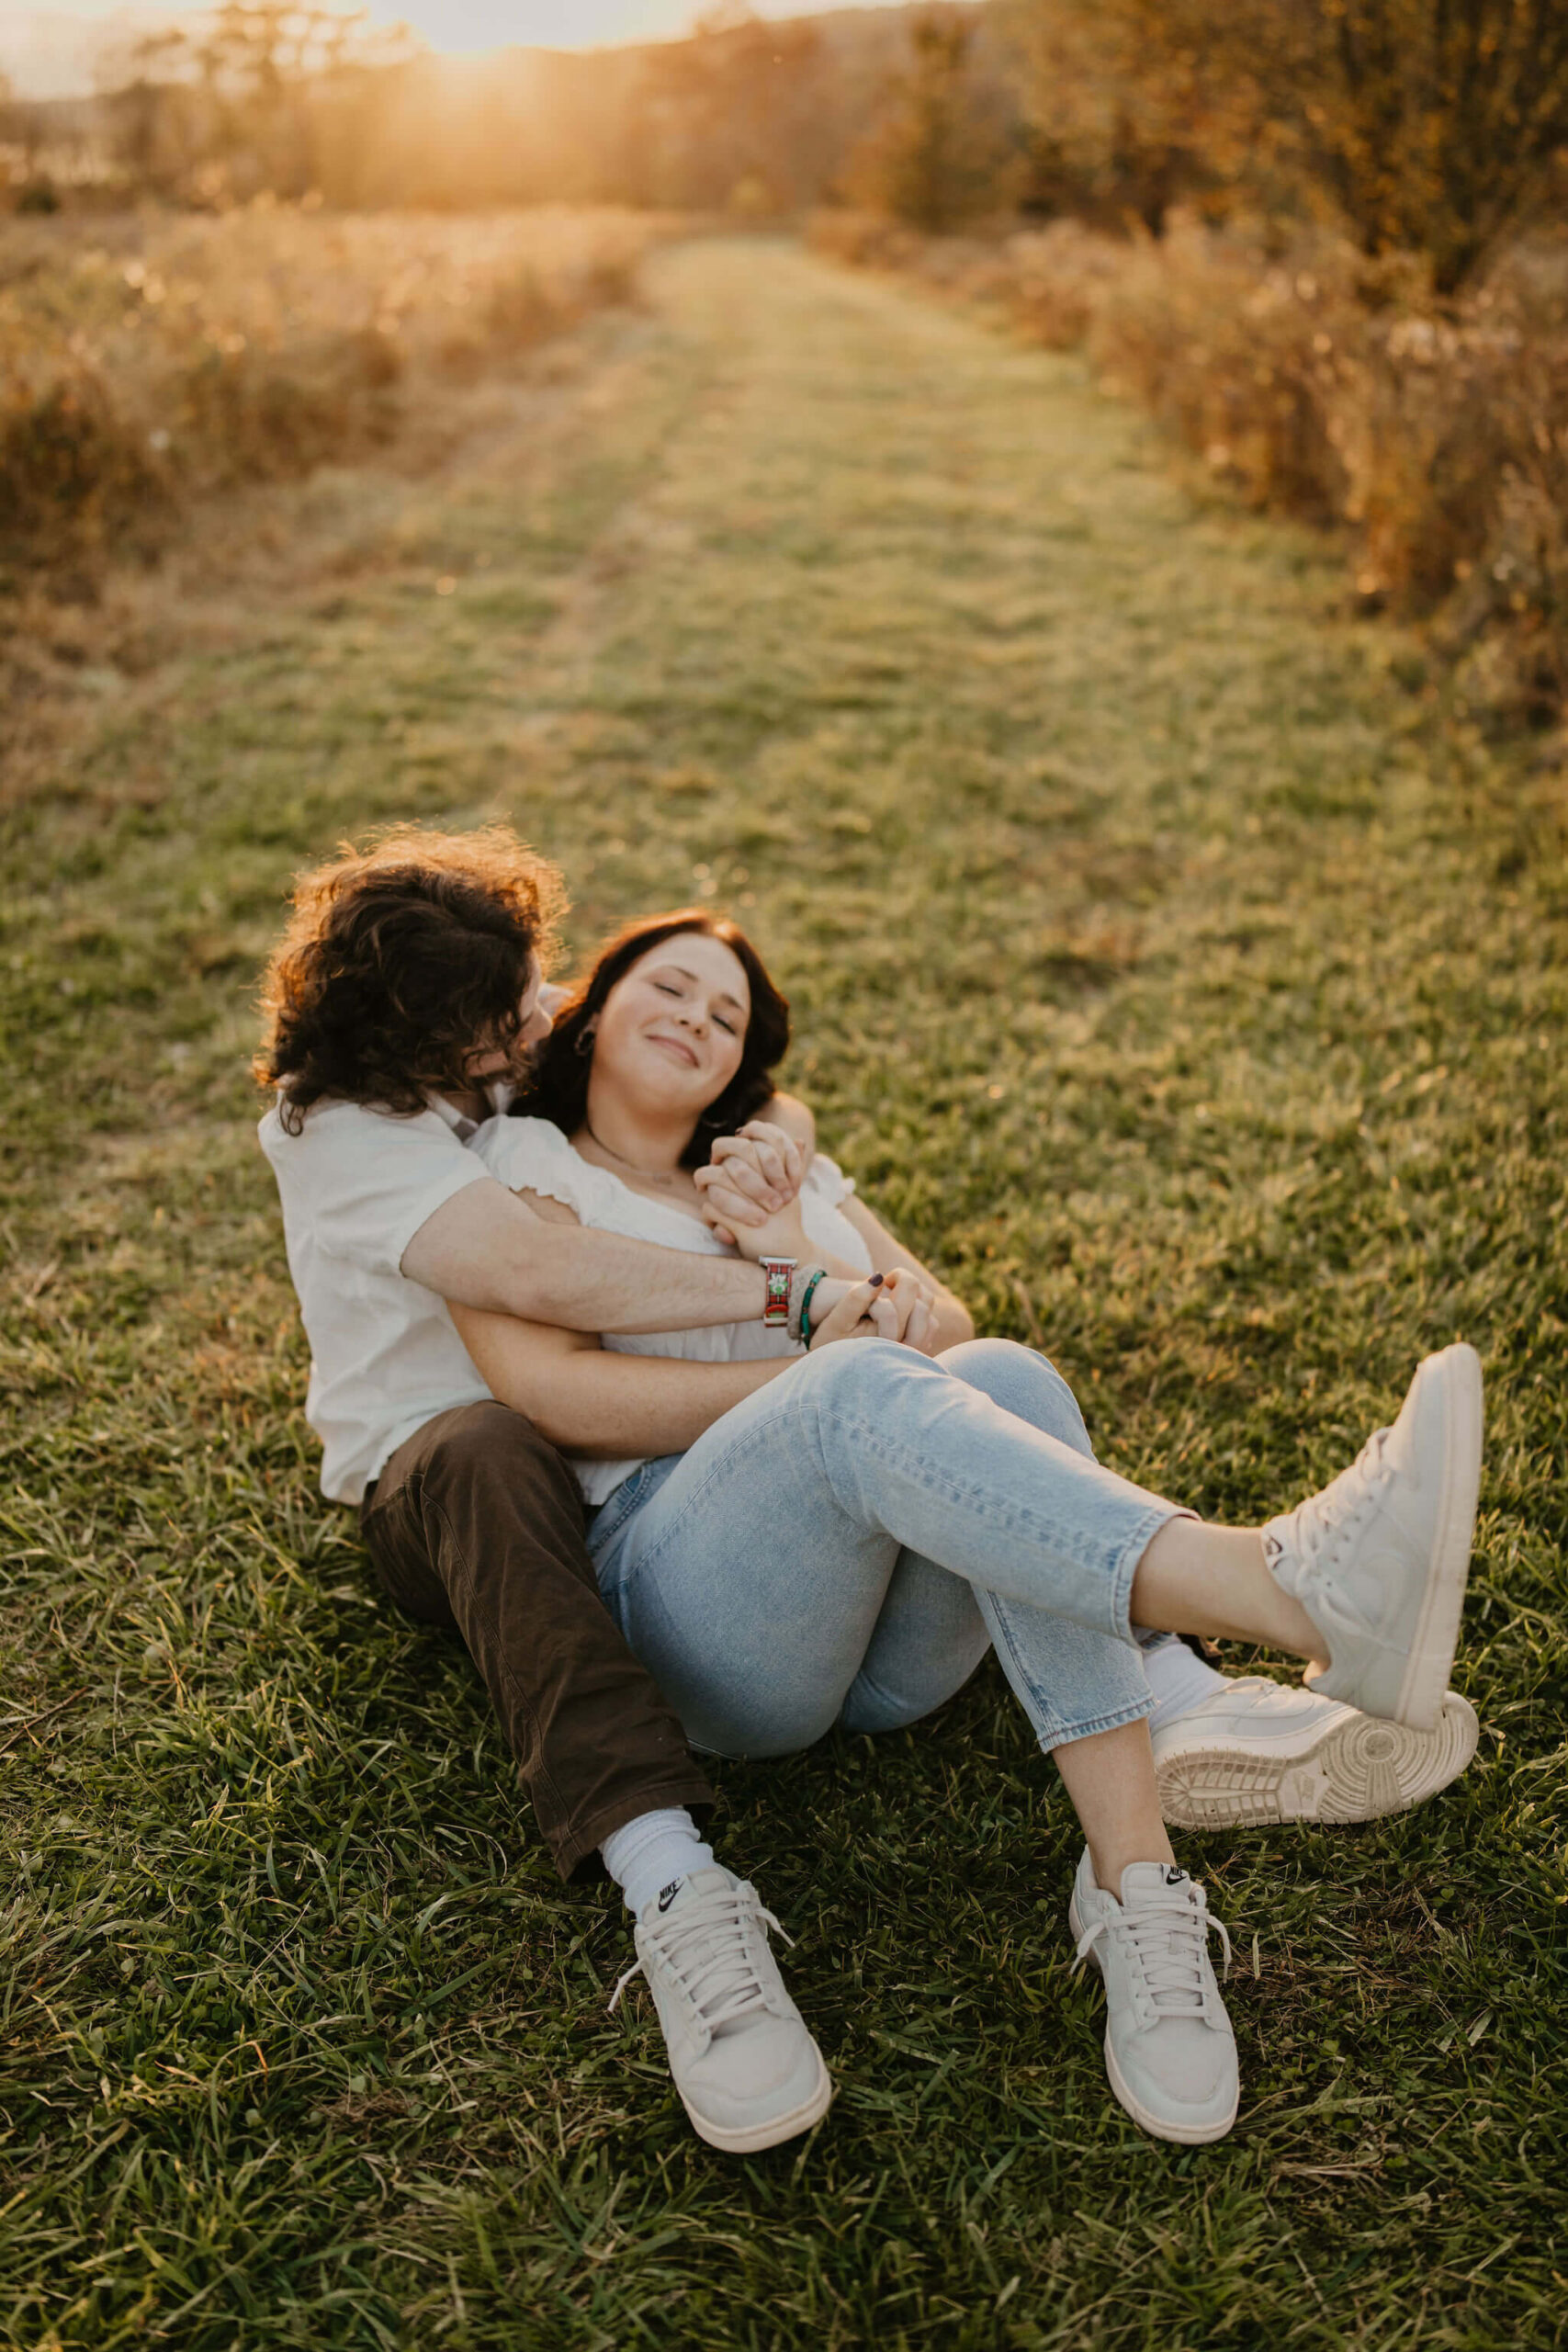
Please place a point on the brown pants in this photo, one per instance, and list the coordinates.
(476, 1523)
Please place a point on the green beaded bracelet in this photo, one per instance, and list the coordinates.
(807, 1296)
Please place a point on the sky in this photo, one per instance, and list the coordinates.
(48, 47)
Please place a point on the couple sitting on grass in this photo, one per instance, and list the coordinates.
(636, 1393)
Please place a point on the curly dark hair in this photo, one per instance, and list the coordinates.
(558, 1087)
(399, 962)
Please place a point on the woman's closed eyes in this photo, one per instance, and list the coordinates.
(668, 988)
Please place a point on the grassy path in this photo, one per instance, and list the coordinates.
(1179, 977)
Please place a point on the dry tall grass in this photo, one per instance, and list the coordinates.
(146, 358)
(1435, 437)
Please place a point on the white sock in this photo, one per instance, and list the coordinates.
(650, 1853)
(1180, 1679)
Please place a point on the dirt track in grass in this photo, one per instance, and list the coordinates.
(1172, 972)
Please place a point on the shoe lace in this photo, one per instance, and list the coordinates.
(708, 1948)
(1322, 1522)
(1169, 1938)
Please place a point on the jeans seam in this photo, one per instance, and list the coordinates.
(602, 1545)
(758, 1434)
(1053, 1731)
(617, 1507)
(1047, 1713)
(1117, 1568)
(965, 1496)
(1125, 1569)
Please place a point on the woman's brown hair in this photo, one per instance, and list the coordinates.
(398, 962)
(557, 1089)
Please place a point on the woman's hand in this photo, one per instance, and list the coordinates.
(914, 1296)
(884, 1306)
(750, 1192)
(751, 1182)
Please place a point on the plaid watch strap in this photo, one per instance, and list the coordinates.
(775, 1305)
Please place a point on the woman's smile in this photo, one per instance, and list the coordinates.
(679, 1047)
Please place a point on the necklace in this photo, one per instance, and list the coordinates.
(666, 1183)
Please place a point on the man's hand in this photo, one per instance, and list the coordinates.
(749, 1179)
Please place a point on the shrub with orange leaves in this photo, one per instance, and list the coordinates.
(146, 358)
(1318, 383)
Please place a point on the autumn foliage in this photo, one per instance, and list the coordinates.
(155, 357)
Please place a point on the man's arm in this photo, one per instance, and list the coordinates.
(486, 1249)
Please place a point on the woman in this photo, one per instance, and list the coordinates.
(842, 1547)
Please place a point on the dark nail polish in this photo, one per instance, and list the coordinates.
(876, 1282)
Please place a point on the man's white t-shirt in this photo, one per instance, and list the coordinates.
(356, 1184)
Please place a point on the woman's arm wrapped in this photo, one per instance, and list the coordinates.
(598, 1404)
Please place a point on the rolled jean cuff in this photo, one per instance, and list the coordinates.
(1053, 1735)
(1125, 1566)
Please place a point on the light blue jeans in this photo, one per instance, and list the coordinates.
(845, 1546)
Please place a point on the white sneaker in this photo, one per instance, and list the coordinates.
(1261, 1751)
(1379, 1560)
(748, 2072)
(1170, 2050)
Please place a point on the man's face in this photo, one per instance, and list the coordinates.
(534, 1024)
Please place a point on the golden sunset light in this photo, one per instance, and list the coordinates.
(683, 684)
(464, 27)
(56, 51)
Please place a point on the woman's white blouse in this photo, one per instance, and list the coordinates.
(532, 1155)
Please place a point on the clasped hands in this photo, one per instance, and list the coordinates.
(751, 1192)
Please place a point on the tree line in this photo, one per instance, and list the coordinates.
(1437, 126)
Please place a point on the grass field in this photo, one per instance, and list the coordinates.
(1434, 443)
(1172, 970)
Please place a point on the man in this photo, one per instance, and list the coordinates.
(401, 1006)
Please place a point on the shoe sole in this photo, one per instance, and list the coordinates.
(1431, 1657)
(1358, 1769)
(1185, 2135)
(747, 2141)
